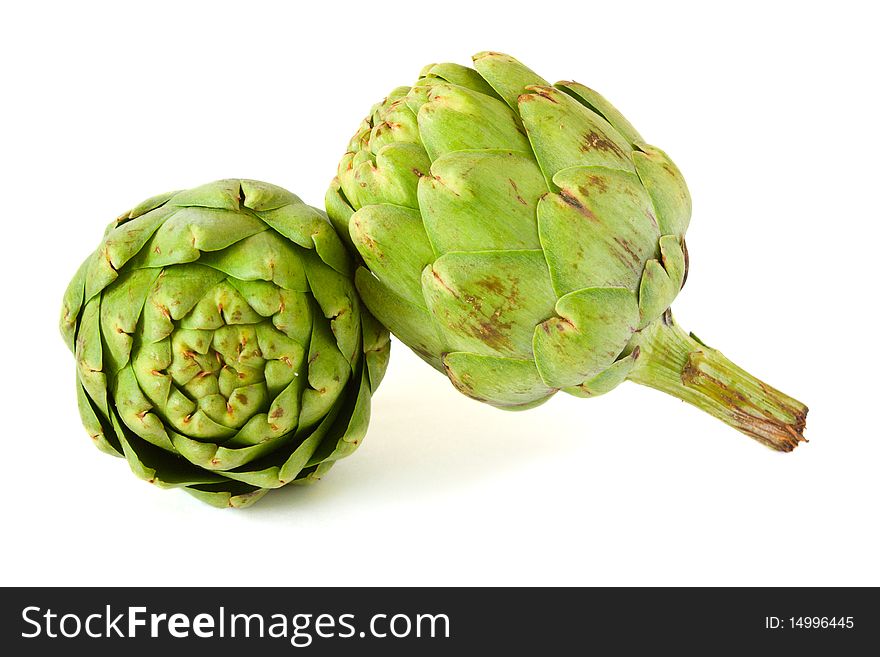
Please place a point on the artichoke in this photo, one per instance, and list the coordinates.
(523, 238)
(220, 345)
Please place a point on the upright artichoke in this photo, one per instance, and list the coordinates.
(524, 239)
(220, 345)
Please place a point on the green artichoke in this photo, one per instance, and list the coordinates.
(523, 238)
(220, 345)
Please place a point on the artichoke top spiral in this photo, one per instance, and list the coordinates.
(220, 344)
(523, 238)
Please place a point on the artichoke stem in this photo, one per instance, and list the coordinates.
(679, 364)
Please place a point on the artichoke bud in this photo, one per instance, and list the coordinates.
(521, 237)
(220, 343)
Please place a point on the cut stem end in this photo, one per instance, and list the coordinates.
(680, 365)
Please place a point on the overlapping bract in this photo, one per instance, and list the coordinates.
(515, 234)
(219, 341)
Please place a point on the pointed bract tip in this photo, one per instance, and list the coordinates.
(426, 69)
(536, 91)
(492, 54)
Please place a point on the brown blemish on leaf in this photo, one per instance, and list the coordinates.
(365, 240)
(564, 324)
(627, 247)
(593, 141)
(462, 383)
(440, 280)
(492, 332)
(440, 181)
(536, 91)
(516, 192)
(424, 352)
(569, 199)
(496, 285)
(476, 303)
(488, 328)
(687, 261)
(559, 323)
(598, 183)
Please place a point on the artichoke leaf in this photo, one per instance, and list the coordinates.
(597, 103)
(564, 134)
(489, 302)
(508, 383)
(598, 231)
(608, 379)
(506, 75)
(413, 324)
(121, 309)
(667, 188)
(592, 328)
(265, 256)
(481, 201)
(393, 177)
(457, 119)
(392, 241)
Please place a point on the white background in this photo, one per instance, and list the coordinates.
(771, 111)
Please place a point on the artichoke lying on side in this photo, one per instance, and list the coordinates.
(220, 344)
(523, 238)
